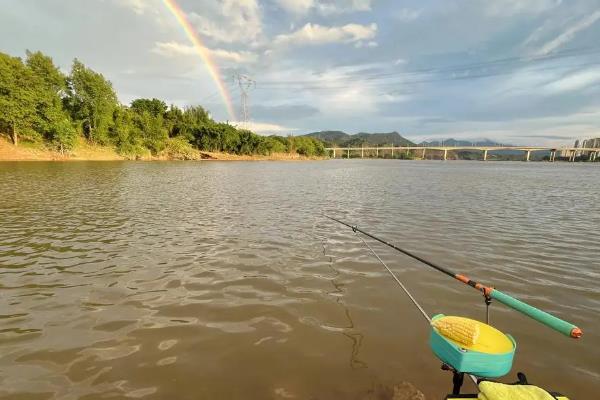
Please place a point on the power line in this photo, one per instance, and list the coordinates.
(511, 62)
(321, 87)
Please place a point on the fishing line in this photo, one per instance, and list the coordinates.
(489, 292)
(410, 296)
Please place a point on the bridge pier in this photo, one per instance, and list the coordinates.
(571, 154)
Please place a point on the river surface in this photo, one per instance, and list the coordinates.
(221, 280)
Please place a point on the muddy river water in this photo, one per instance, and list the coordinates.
(221, 280)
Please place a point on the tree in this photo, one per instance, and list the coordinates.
(91, 100)
(63, 135)
(307, 146)
(249, 142)
(38, 102)
(207, 137)
(49, 84)
(154, 107)
(17, 100)
(42, 66)
(191, 121)
(272, 144)
(126, 134)
(154, 134)
(174, 123)
(231, 139)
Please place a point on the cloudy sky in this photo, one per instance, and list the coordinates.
(516, 71)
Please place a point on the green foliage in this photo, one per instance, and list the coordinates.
(17, 100)
(126, 135)
(272, 144)
(48, 85)
(154, 134)
(63, 135)
(154, 107)
(307, 146)
(38, 102)
(178, 148)
(91, 100)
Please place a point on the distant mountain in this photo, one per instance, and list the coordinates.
(454, 142)
(342, 139)
(503, 154)
(330, 136)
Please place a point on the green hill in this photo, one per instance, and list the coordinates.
(343, 139)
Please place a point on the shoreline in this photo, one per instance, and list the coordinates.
(88, 152)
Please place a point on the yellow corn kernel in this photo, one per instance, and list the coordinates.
(458, 329)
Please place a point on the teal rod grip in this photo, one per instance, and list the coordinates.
(549, 320)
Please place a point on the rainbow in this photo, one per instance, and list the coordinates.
(203, 52)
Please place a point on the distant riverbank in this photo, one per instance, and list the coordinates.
(84, 151)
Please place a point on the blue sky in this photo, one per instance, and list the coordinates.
(516, 71)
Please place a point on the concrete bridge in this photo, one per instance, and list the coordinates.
(571, 152)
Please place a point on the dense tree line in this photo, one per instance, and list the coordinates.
(38, 103)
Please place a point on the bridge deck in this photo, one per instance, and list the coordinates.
(479, 148)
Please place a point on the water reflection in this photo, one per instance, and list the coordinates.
(349, 330)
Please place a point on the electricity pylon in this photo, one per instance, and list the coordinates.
(245, 83)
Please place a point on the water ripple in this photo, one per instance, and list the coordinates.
(222, 280)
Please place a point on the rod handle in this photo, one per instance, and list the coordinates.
(543, 317)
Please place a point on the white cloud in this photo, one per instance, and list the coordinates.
(172, 49)
(371, 44)
(343, 6)
(175, 49)
(324, 7)
(407, 14)
(264, 128)
(229, 21)
(137, 6)
(318, 34)
(507, 8)
(576, 81)
(522, 82)
(569, 34)
(296, 6)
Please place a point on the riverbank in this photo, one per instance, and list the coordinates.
(84, 151)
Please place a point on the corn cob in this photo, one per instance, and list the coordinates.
(462, 330)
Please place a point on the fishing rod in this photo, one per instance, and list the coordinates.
(490, 293)
(457, 376)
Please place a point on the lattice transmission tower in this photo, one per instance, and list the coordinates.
(246, 84)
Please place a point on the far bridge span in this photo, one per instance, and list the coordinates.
(570, 152)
